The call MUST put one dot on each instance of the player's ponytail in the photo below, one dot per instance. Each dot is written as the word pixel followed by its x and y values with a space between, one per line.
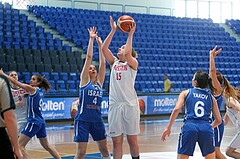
pixel 43 82
pixel 210 85
pixel 229 90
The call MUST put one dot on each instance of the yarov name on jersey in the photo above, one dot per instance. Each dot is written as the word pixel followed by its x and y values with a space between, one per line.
pixel 199 95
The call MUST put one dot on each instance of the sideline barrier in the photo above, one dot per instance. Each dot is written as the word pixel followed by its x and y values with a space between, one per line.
pixel 59 108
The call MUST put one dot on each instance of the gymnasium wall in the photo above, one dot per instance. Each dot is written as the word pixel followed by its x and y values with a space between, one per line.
pixel 217 10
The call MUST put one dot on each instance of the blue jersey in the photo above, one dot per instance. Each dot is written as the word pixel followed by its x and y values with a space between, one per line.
pixel 198 105
pixel 90 99
pixel 220 101
pixel 34 107
pixel 219 130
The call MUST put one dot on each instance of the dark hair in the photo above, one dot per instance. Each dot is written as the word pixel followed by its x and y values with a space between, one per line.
pixel 134 53
pixel 43 82
pixel 204 80
pixel 220 78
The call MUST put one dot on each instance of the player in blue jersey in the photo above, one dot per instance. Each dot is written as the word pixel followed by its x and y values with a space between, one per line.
pixel 199 104
pixel 224 90
pixel 20 99
pixel 35 123
pixel 88 119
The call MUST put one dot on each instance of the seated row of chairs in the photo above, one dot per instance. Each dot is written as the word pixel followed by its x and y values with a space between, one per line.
pixel 65 83
pixel 174 49
pixel 75 35
pixel 40 53
pixel 234 24
pixel 18 32
pixel 61 11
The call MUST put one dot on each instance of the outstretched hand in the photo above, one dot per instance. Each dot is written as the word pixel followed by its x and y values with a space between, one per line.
pixel 215 52
pixel 113 24
pixel 132 28
pixel 92 32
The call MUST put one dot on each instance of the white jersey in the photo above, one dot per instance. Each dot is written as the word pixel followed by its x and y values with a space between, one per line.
pixel 234 116
pixel 20 111
pixel 122 80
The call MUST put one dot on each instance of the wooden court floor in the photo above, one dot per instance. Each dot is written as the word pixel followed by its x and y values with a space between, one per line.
pixel 60 135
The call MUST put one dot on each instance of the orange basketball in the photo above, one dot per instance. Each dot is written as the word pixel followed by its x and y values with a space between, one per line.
pixel 141 105
pixel 124 22
pixel 74 108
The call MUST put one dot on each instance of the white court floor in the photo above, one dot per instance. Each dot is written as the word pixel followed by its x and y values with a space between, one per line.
pixel 151 147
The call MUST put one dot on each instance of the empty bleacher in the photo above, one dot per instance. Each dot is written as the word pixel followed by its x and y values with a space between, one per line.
pixel 165 45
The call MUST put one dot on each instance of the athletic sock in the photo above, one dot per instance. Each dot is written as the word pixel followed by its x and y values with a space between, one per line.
pixel 135 157
pixel 106 157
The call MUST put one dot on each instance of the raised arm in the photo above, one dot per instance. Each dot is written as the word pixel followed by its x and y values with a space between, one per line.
pixel 212 70
pixel 128 48
pixel 105 46
pixel 102 62
pixel 27 87
pixel 84 76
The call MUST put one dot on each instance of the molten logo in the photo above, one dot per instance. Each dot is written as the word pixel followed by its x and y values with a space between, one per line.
pixel 165 102
pixel 50 105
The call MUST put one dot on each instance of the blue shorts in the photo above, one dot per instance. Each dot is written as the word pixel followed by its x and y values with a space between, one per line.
pixel 32 129
pixel 82 129
pixel 218 134
pixel 196 131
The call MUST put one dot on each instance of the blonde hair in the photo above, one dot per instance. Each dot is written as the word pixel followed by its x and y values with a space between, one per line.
pixel 228 89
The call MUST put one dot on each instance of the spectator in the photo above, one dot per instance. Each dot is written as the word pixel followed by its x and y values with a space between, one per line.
pixel 167 84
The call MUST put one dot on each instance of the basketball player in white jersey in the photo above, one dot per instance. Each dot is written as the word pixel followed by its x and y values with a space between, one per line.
pixel 124 112
pixel 233 113
pixel 20 99
pixel 224 90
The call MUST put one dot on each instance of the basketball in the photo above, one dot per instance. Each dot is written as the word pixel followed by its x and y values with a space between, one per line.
pixel 141 105
pixel 74 108
pixel 124 22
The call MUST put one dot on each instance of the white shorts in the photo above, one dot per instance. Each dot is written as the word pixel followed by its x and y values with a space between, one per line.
pixel 123 119
pixel 235 143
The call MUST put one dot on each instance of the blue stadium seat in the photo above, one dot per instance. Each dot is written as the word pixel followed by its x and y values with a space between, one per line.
pixel 63 76
pixel 71 85
pixel 61 86
pixel 73 76
pixel 26 76
pixel 54 76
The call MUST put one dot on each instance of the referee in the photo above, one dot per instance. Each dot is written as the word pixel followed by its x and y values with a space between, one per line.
pixel 9 147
